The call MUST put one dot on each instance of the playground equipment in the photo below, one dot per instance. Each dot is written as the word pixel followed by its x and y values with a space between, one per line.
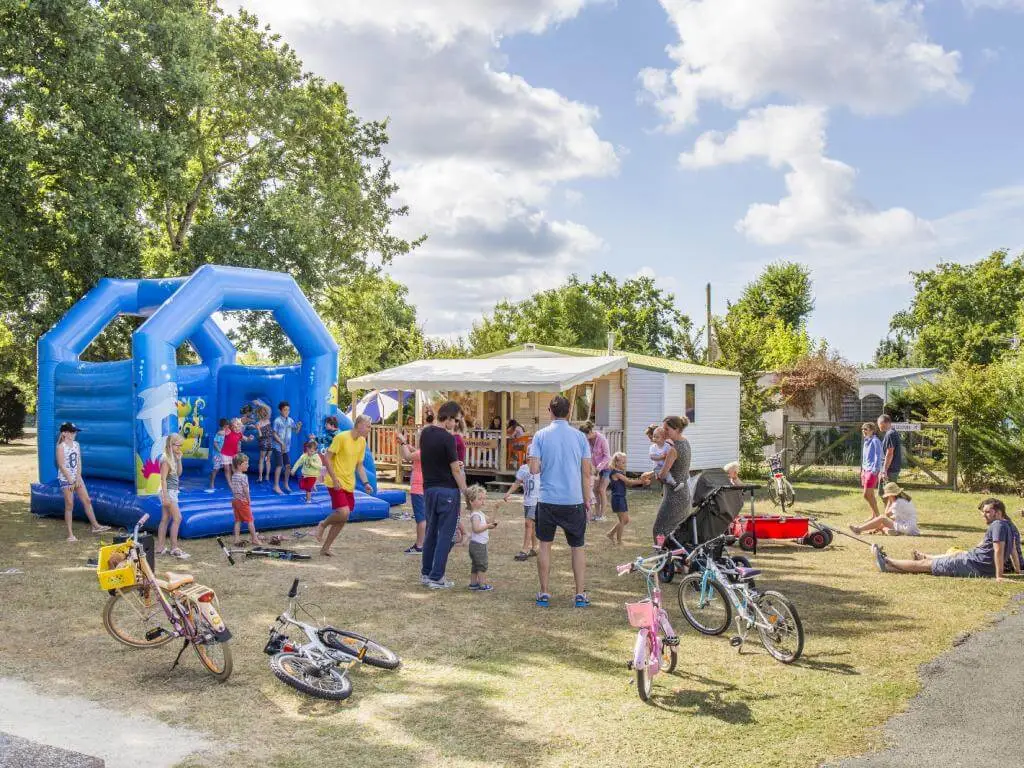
pixel 126 409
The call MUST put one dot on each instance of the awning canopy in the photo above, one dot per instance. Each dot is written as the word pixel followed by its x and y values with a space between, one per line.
pixel 496 374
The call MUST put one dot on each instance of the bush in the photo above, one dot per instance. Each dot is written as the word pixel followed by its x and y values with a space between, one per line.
pixel 12 412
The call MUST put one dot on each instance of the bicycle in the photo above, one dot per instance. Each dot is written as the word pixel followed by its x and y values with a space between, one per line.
pixel 651 653
pixel 780 490
pixel 271 553
pixel 321 666
pixel 709 599
pixel 146 612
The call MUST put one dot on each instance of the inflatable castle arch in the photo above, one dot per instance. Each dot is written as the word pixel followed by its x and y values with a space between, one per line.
pixel 126 409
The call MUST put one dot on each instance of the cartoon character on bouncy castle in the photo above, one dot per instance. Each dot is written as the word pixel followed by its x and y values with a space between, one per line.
pixel 192 428
pixel 157 417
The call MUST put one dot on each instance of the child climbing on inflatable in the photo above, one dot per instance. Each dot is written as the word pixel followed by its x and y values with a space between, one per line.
pixel 170 513
pixel 310 465
pixel 69 471
pixel 218 454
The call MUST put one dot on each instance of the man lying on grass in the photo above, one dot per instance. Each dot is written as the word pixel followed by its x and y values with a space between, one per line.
pixel 1000 546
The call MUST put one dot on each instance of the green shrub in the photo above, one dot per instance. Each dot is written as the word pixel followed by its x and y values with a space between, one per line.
pixel 12 412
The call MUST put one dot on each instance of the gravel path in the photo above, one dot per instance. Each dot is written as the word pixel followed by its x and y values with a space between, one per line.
pixel 969 710
pixel 82 726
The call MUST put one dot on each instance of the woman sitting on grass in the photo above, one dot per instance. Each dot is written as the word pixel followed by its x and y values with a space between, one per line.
pixel 899 518
pixel 986 559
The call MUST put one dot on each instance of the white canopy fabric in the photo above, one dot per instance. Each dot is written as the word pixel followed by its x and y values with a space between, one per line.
pixel 495 374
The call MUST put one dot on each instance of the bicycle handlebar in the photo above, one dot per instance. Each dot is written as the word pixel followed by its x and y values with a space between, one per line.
pixel 649 564
pixel 295 589
pixel 223 546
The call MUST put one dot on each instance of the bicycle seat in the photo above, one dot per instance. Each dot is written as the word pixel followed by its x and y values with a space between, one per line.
pixel 175 580
pixel 747 573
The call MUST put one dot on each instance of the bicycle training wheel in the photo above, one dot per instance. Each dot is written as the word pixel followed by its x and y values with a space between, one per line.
pixel 708 613
pixel 785 640
pixel 216 657
pixel 350 643
pixel 644 680
pixel 135 617
pixel 302 675
pixel 669 657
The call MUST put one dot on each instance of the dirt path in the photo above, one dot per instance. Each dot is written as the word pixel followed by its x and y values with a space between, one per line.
pixel 83 726
pixel 969 710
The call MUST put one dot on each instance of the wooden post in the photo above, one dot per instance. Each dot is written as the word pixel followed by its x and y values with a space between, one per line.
pixel 785 443
pixel 954 448
pixel 503 440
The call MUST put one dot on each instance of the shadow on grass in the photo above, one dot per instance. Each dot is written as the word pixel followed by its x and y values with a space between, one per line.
pixel 841 613
pixel 948 527
pixel 816 663
pixel 18 449
pixel 715 702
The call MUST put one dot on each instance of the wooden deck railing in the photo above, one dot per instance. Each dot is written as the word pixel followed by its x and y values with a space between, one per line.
pixel 482 448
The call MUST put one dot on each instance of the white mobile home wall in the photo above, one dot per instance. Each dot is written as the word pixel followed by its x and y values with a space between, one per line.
pixel 715 434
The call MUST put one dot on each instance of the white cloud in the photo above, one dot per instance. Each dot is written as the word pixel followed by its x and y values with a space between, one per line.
pixel 872 56
pixel 820 206
pixel 439 21
pixel 996 5
pixel 477 152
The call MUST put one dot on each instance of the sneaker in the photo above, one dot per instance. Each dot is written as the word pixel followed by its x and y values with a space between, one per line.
pixel 72 539
pixel 521 557
pixel 443 584
pixel 543 600
pixel 101 528
pixel 164 552
pixel 414 550
pixel 180 554
pixel 209 490
pixel 598 519
pixel 424 580
pixel 484 587
pixel 879 558
pixel 406 516
pixel 474 587
pixel 582 601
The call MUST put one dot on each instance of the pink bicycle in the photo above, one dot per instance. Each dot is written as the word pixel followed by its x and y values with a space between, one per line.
pixel 656 641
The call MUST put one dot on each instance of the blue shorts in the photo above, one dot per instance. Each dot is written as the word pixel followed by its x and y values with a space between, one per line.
pixel 955 565
pixel 418 509
pixel 280 459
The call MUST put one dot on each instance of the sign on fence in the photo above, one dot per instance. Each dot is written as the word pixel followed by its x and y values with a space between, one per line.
pixel 905 426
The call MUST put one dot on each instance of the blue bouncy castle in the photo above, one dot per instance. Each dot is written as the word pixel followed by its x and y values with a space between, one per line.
pixel 126 409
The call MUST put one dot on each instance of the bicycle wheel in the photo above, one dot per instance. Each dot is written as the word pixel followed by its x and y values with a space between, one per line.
pixel 644 680
pixel 135 612
pixel 708 613
pixel 216 657
pixel 350 643
pixel 773 493
pixel 788 493
pixel 302 675
pixel 785 640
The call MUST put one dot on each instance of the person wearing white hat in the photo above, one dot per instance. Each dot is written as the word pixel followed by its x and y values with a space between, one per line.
pixel 899 518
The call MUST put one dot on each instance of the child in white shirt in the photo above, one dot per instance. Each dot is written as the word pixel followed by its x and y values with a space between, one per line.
pixel 530 484
pixel 658 452
pixel 479 533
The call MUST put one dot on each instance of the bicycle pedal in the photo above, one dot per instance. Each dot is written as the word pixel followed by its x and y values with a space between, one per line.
pixel 673 641
pixel 155 633
pixel 736 642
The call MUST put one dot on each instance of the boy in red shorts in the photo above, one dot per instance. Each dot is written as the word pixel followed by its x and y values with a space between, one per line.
pixel 240 499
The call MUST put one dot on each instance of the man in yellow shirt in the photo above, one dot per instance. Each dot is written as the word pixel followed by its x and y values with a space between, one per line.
pixel 344 461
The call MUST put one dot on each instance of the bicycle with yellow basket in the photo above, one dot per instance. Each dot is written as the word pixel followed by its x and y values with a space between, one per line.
pixel 146 612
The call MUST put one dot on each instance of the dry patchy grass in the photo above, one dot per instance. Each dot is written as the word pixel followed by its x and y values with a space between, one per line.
pixel 489 679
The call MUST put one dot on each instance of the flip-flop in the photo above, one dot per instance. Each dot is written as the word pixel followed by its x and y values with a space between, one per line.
pixel 521 557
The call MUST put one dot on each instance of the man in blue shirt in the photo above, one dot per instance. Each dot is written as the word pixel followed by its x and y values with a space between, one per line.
pixel 560 454
pixel 986 559
pixel 892 452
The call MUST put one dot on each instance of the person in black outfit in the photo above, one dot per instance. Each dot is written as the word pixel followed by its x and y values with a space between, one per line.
pixel 443 480
pixel 892 452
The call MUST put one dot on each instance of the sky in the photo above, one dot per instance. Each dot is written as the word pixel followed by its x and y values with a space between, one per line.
pixel 694 141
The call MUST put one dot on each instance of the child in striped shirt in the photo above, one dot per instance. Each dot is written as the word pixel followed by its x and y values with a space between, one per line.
pixel 240 499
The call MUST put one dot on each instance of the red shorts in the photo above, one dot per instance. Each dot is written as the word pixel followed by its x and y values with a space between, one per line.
pixel 868 479
pixel 307 483
pixel 342 499
pixel 242 510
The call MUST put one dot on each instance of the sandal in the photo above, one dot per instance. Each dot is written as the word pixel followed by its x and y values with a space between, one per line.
pixel 521 557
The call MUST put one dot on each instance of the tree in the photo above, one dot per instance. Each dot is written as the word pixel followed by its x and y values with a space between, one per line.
pixel 145 139
pixel 782 291
pixel 580 314
pixel 821 375
pixel 893 352
pixel 964 313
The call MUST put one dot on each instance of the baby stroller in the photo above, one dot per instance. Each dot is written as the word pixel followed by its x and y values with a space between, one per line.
pixel 716 503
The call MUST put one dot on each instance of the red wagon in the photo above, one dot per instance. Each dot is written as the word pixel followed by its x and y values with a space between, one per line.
pixel 748 529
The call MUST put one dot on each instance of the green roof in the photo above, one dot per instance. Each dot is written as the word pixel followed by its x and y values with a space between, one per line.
pixel 647 362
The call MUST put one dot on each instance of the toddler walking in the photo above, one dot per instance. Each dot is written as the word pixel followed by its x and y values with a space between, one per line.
pixel 240 504
pixel 619 482
pixel 479 533
pixel 311 465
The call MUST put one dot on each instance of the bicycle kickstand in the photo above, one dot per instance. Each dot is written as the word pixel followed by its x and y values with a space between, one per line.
pixel 178 657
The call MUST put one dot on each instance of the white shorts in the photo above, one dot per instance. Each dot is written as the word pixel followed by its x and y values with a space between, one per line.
pixel 173 496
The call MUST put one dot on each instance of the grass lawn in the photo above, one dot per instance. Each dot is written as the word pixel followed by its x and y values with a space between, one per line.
pixel 489 679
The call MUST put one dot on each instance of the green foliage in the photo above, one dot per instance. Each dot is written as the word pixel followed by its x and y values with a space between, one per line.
pixel 147 139
pixel 444 349
pixel 12 412
pixel 764 331
pixel 964 313
pixel 988 402
pixel 580 314
pixel 893 352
